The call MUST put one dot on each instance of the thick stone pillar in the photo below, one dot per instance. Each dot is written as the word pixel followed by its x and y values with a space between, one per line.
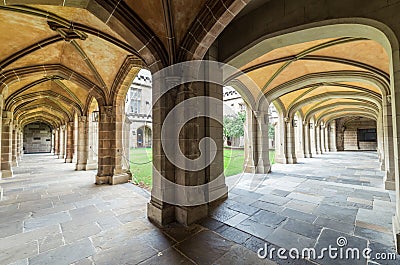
pixel 92 152
pixel 82 144
pixel 70 142
pixel 6 144
pixel 57 141
pixel 61 138
pixel 380 136
pixel 106 149
pixel 307 139
pixel 193 184
pixel 332 137
pixel 388 143
pixel 290 142
pixel 14 146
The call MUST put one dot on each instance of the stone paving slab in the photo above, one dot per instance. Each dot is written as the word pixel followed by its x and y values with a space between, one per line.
pixel 107 224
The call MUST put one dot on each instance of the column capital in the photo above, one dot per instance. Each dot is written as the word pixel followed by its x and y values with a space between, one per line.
pixel 7 116
pixel 107 110
pixel 82 118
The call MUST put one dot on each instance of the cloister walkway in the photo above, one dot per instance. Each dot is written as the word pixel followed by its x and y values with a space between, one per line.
pixel 51 214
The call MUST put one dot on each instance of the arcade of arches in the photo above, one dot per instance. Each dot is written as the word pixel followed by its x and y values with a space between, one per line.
pixel 327 66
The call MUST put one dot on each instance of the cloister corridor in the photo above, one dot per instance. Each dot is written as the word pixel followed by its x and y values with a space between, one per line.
pixel 50 216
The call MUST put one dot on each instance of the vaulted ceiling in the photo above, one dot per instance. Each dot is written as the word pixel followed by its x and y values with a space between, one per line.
pixel 323 77
pixel 56 56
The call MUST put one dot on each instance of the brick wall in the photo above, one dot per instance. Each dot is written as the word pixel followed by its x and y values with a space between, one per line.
pixel 346 134
pixel 37 138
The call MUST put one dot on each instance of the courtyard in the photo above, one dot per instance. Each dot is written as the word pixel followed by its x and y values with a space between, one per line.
pixel 61 217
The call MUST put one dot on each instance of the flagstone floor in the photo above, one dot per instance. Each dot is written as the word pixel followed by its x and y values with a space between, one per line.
pixel 51 214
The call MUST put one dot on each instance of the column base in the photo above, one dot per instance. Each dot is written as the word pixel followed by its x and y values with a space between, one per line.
pixel 61 156
pixel 291 160
pixel 79 167
pixel 281 160
pixel 160 215
pixel 14 163
pixel 103 180
pixel 68 160
pixel 249 169
pixel 382 165
pixel 390 185
pixel 7 173
pixel 190 215
pixel 263 169
pixel 389 181
pixel 114 179
pixel 307 155
pixel 91 166
pixel 396 232
pixel 122 177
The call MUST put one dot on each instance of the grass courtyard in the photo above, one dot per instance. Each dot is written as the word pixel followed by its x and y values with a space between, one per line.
pixel 141 165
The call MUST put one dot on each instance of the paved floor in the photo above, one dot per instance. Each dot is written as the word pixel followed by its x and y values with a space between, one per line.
pixel 51 214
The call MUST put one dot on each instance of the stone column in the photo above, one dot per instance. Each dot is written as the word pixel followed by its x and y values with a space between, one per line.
pixel 323 141
pixel 380 137
pixel 122 173
pixel 332 137
pixel 189 183
pixel 307 139
pixel 70 142
pixel 300 139
pixel 249 141
pixel 290 142
pixel 263 163
pixel 62 142
pixel 106 148
pixel 327 142
pixel 317 129
pixel 14 146
pixel 281 141
pixel 313 138
pixel 92 152
pixel 6 144
pixel 18 135
pixel 57 141
pixel 388 143
pixel 82 144
pixel 21 144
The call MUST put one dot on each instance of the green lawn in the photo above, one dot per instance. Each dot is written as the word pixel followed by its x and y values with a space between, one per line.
pixel 141 170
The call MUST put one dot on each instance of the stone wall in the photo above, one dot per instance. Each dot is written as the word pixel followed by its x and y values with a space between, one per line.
pixel 37 138
pixel 347 134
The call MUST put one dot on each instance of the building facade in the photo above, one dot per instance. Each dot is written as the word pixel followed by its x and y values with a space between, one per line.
pixel 138 106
